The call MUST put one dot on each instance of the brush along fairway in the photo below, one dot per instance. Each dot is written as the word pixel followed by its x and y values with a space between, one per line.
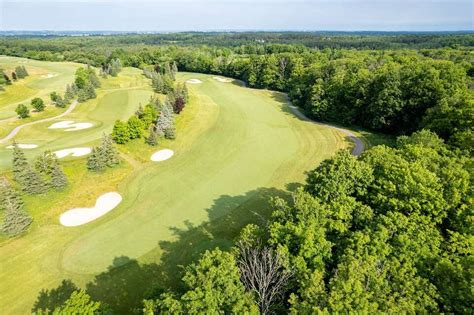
pixel 79 216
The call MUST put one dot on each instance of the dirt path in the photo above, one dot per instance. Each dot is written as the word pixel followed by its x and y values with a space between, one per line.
pixel 15 131
pixel 359 145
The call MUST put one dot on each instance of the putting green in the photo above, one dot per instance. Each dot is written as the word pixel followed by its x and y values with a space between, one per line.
pixel 232 141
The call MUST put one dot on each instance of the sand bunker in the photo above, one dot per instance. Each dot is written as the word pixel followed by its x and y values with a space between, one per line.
pixel 162 155
pixel 49 75
pixel 79 216
pixel 24 146
pixel 223 80
pixel 70 125
pixel 194 81
pixel 73 152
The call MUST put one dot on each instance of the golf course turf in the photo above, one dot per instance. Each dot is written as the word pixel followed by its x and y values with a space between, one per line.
pixel 235 148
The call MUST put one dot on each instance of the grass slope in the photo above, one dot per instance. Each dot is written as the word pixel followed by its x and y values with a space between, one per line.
pixel 235 148
pixel 37 84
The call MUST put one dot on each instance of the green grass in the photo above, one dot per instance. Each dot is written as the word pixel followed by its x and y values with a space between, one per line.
pixel 35 85
pixel 235 148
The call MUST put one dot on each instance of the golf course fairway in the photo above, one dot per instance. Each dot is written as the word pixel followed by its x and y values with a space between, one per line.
pixel 233 145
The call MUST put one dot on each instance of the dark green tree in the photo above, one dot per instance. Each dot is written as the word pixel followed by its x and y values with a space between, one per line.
pixel 22 111
pixel 38 104
pixel 16 219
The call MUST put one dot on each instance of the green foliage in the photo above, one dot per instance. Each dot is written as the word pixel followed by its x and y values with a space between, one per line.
pixel 120 132
pixel 22 111
pixel 16 220
pixel 58 178
pixel 211 286
pixel 78 303
pixel 21 72
pixel 170 133
pixel 57 100
pixel 152 138
pixel 104 156
pixel 38 104
pixel 19 163
pixel 135 127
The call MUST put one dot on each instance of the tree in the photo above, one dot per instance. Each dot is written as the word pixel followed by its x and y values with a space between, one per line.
pixel 211 286
pixel 38 104
pixel 120 132
pixel 16 220
pixel 170 133
pixel 58 178
pixel 135 127
pixel 110 153
pixel 69 94
pixel 14 78
pixel 262 272
pixel 78 303
pixel 57 100
pixel 45 162
pixel 19 164
pixel 32 182
pixel 95 161
pixel 152 138
pixel 22 111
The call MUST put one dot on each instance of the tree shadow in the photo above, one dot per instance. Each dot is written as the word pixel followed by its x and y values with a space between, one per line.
pixel 50 299
pixel 126 282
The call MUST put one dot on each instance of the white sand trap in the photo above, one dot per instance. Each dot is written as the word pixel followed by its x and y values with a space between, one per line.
pixel 24 146
pixel 223 80
pixel 73 152
pixel 79 216
pixel 162 155
pixel 70 125
pixel 49 75
pixel 194 81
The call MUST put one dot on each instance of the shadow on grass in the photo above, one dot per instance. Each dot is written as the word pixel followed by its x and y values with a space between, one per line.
pixel 126 282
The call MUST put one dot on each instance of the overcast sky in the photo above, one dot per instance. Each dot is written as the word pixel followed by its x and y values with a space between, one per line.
pixel 202 15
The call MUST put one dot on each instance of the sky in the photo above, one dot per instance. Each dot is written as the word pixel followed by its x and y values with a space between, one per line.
pixel 207 15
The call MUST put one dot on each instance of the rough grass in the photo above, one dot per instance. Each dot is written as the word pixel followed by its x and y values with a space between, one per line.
pixel 236 147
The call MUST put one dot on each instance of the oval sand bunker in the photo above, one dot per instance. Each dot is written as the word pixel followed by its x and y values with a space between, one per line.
pixel 162 155
pixel 24 146
pixel 69 125
pixel 79 216
pixel 73 152
pixel 194 81
pixel 223 80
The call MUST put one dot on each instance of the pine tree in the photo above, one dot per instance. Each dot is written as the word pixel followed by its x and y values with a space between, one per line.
pixel 152 138
pixel 110 153
pixel 25 73
pixel 165 120
pixel 45 162
pixel 16 220
pixel 69 94
pixel 95 161
pixel 14 77
pixel 170 133
pixel 33 183
pixel 20 164
pixel 94 80
pixel 58 178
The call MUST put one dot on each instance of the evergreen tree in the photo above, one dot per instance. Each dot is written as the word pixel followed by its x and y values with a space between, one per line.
pixel 38 104
pixel 16 220
pixel 135 127
pixel 32 182
pixel 90 91
pixel 22 111
pixel 19 165
pixel 170 133
pixel 165 120
pixel 94 80
pixel 14 76
pixel 69 94
pixel 120 133
pixel 110 153
pixel 45 162
pixel 152 138
pixel 58 178
pixel 95 161
pixel 25 73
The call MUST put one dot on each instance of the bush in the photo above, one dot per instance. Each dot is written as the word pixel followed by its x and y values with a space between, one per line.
pixel 22 111
pixel 38 104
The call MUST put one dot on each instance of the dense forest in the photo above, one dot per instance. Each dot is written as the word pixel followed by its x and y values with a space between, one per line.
pixel 390 231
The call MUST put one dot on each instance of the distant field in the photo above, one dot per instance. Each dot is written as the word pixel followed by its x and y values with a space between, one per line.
pixel 234 145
